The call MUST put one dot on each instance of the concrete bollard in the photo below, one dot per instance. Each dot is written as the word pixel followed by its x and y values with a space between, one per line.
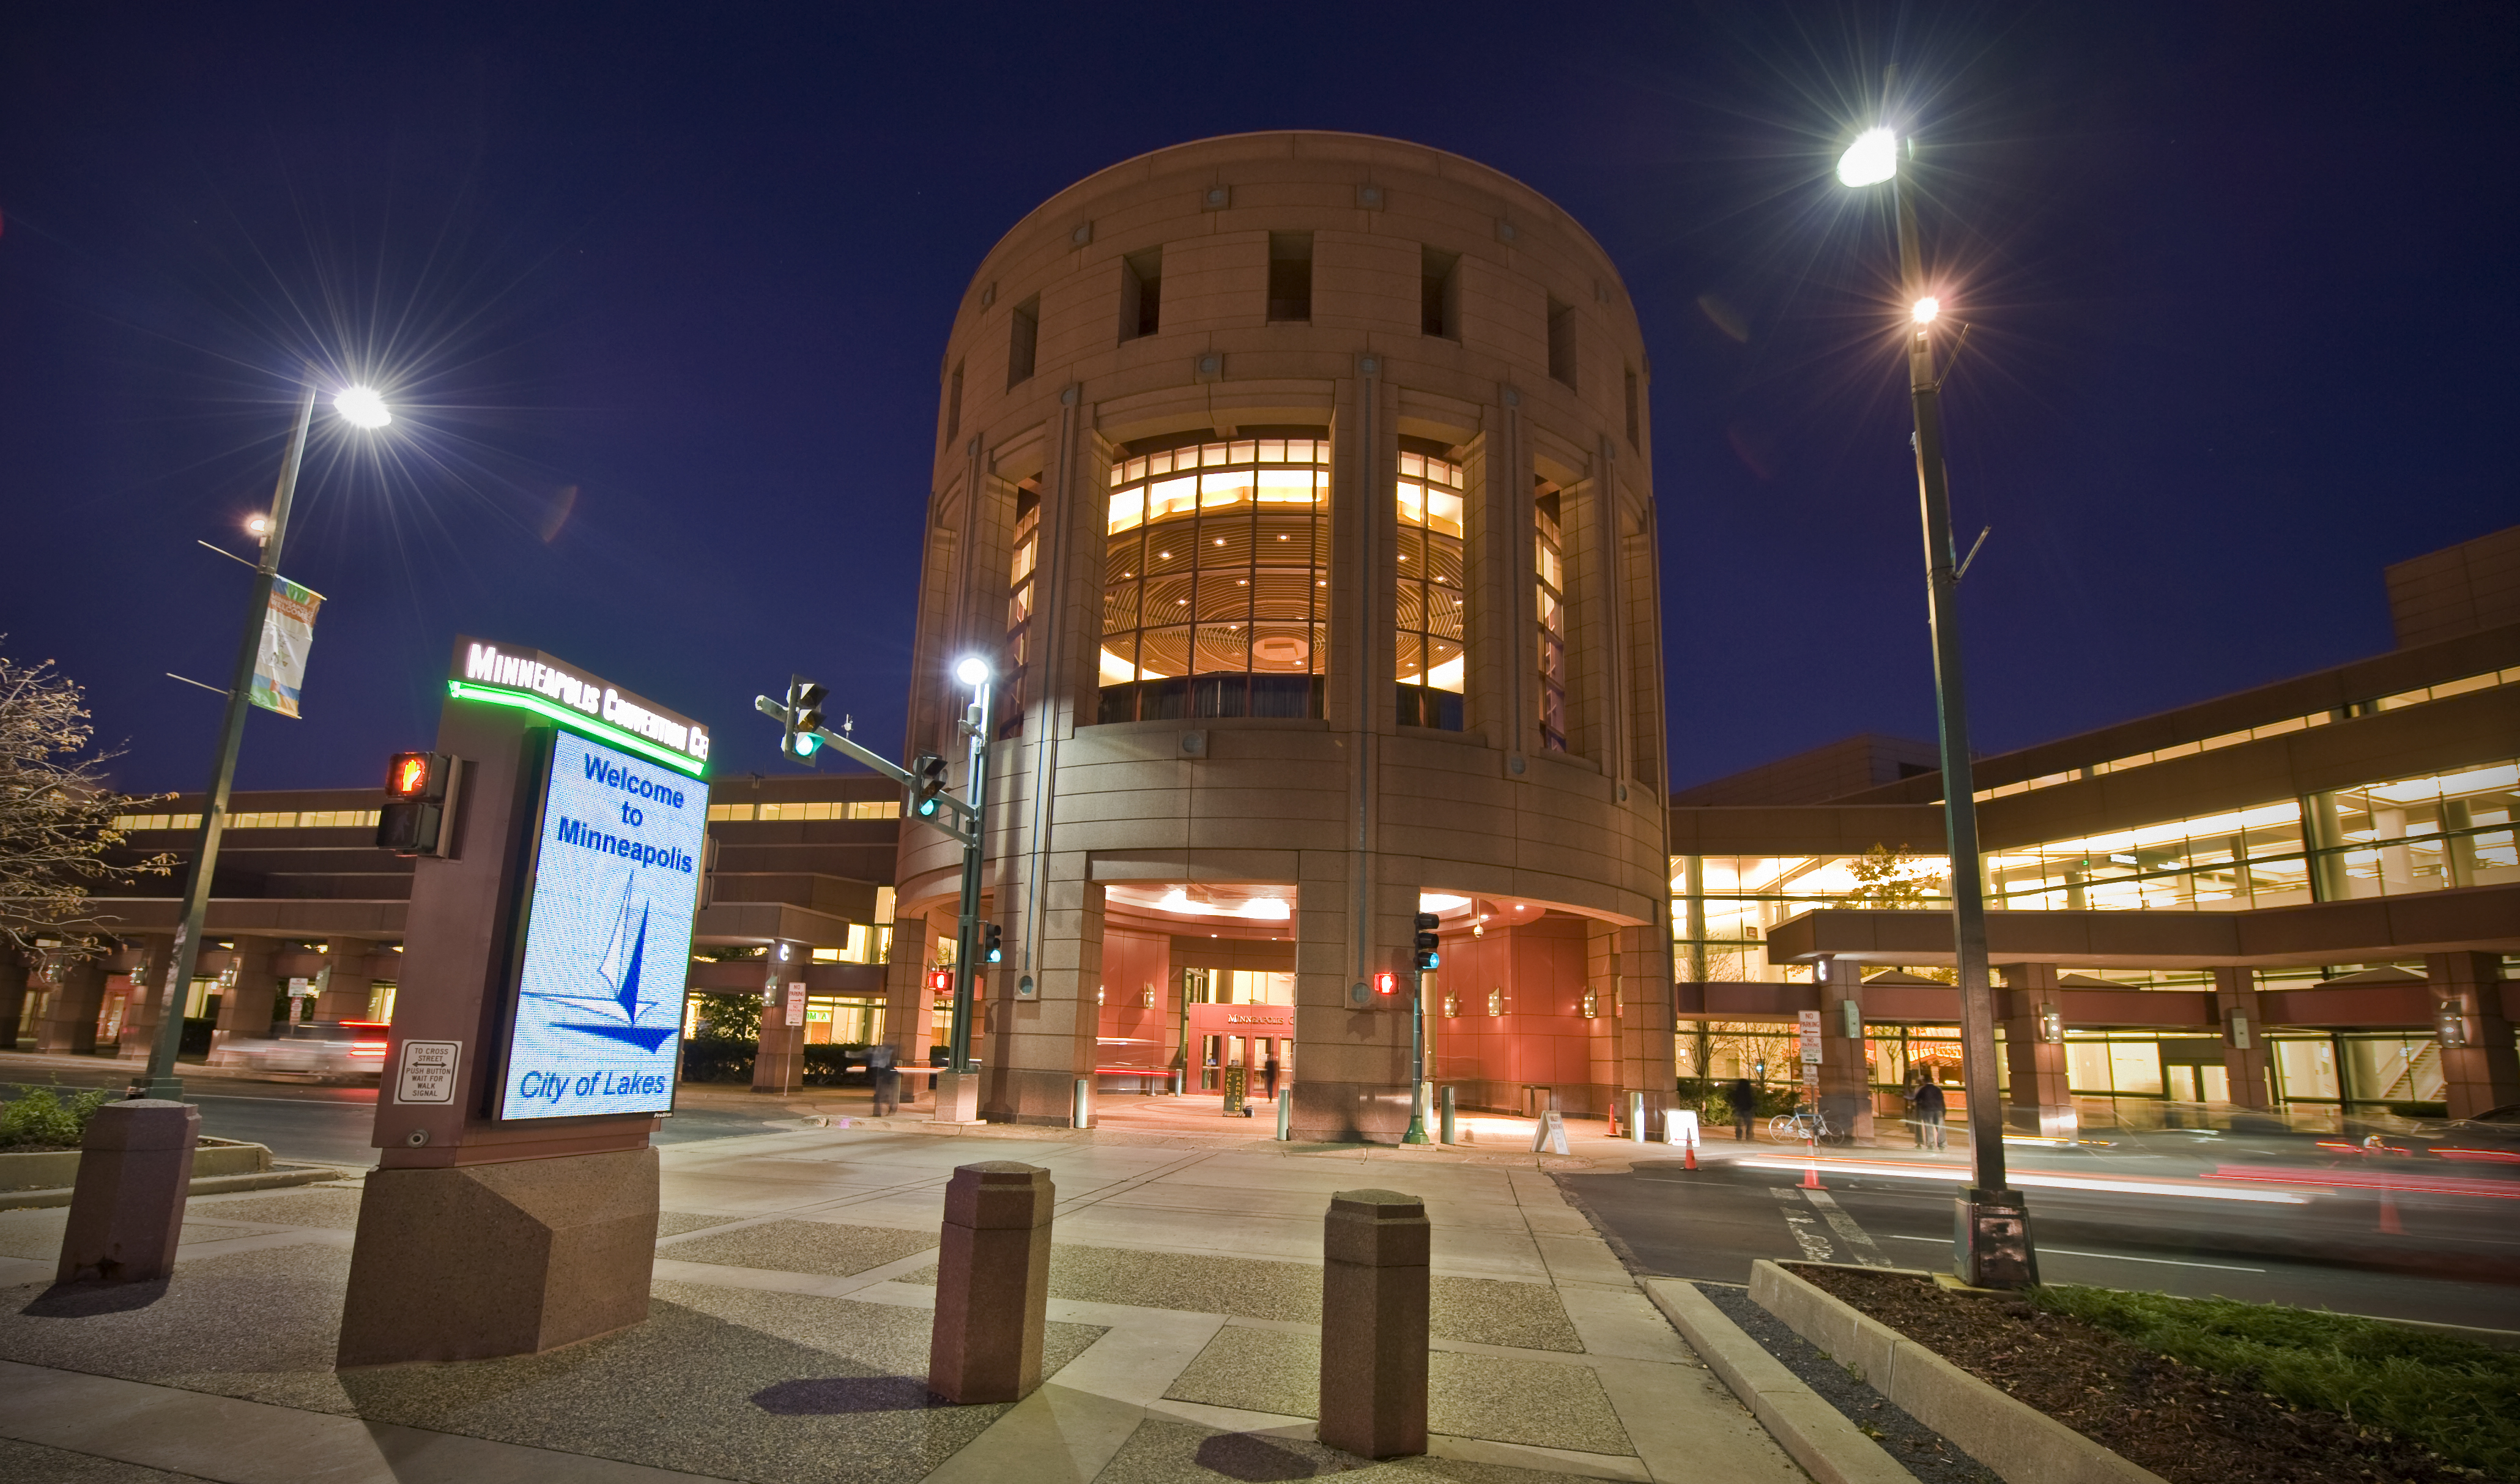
pixel 992 1284
pixel 1452 1122
pixel 1080 1113
pixel 1373 1323
pixel 127 1211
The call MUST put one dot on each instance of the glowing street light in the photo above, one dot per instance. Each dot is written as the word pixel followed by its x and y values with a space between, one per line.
pixel 977 726
pixel 1994 1249
pixel 1873 159
pixel 972 670
pixel 362 407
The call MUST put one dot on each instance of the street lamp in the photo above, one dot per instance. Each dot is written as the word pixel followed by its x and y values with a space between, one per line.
pixel 361 407
pixel 1991 1237
pixel 976 673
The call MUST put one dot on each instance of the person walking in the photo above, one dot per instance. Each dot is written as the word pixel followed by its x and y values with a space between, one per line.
pixel 1929 1114
pixel 887 1079
pixel 1268 1072
pixel 1744 1099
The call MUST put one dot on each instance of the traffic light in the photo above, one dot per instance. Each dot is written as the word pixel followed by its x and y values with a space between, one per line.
pixel 927 779
pixel 1387 983
pixel 1427 942
pixel 993 948
pixel 804 718
pixel 420 799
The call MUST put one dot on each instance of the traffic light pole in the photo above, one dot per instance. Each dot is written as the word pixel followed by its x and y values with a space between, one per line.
pixel 1418 1064
pixel 966 932
pixel 160 1080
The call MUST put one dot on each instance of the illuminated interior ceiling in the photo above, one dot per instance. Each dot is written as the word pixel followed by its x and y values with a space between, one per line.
pixel 1239 902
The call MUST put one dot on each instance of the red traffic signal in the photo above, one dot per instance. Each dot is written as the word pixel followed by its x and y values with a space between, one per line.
pixel 412 775
pixel 1387 983
pixel 941 981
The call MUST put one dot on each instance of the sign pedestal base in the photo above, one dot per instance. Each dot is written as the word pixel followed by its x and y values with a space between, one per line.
pixel 473 1261
pixel 958 1098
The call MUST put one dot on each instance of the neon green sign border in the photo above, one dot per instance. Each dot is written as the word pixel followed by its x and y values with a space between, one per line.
pixel 528 701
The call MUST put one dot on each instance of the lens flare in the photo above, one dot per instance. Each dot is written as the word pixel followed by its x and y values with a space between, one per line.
pixel 1873 159
pixel 1924 310
pixel 972 671
pixel 362 407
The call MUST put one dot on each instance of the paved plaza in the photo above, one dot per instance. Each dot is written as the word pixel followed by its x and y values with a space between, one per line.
pixel 788 1339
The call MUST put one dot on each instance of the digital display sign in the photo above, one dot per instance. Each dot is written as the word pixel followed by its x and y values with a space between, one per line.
pixel 596 1023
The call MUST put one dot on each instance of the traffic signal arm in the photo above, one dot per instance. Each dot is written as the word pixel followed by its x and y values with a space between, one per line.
pixel 964 820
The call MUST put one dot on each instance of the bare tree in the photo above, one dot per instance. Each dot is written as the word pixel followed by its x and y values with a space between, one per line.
pixel 57 812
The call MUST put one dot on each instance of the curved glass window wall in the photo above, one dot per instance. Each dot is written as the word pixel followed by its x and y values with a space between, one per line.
pixel 1428 657
pixel 1216 592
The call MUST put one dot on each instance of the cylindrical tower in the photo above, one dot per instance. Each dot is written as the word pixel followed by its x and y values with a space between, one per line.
pixel 1297 486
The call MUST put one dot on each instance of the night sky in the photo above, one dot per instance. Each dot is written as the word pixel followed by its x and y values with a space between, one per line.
pixel 661 292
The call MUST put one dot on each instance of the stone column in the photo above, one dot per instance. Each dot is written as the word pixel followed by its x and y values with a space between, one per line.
pixel 992 1283
pixel 16 970
pixel 154 957
pixel 1845 1080
pixel 1035 1048
pixel 244 1007
pixel 1644 1024
pixel 1351 1062
pixel 2235 1007
pixel 346 986
pixel 71 1010
pixel 2036 1101
pixel 2485 1073
pixel 1375 1280
pixel 778 1065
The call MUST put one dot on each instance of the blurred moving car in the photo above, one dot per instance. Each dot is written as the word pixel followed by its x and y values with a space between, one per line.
pixel 337 1048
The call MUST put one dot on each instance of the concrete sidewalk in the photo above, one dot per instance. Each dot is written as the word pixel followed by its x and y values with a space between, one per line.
pixel 788 1338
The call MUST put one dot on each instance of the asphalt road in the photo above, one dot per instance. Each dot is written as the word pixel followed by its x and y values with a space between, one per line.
pixel 2308 1250
pixel 329 1125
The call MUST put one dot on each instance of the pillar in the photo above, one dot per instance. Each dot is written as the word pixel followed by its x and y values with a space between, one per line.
pixel 2485 1073
pixel 2244 1036
pixel 154 957
pixel 1034 1048
pixel 244 1007
pixel 1351 1062
pixel 346 986
pixel 69 1022
pixel 1845 1079
pixel 2037 1101
pixel 16 970
pixel 992 1283
pixel 127 1210
pixel 779 1063
pixel 1374 1283
pixel 1644 1025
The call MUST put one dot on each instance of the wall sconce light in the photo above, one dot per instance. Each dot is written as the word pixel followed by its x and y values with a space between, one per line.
pixel 1098 994
pixel 1147 997
pixel 1496 1001
pixel 1479 929
pixel 2239 1030
pixel 1592 1003
pixel 1451 1006
pixel 2051 1024
pixel 2450 1026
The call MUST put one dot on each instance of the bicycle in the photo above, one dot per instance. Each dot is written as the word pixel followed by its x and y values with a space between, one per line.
pixel 1801 1125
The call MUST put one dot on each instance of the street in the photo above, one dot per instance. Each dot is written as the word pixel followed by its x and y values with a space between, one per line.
pixel 329 1125
pixel 2259 1242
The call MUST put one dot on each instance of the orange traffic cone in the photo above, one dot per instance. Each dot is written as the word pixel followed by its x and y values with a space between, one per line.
pixel 1689 1155
pixel 1811 1170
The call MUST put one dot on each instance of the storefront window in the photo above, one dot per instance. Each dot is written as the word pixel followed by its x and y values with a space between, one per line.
pixel 1216 597
pixel 1548 559
pixel 1427 658
pixel 1723 907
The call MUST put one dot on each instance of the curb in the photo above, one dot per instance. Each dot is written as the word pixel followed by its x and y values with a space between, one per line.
pixel 207 1185
pixel 2020 1443
pixel 1814 1433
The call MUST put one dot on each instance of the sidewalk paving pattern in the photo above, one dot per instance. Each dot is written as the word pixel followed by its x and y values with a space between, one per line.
pixel 788 1339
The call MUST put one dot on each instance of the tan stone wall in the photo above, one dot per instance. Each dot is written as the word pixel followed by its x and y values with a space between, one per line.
pixel 1359 813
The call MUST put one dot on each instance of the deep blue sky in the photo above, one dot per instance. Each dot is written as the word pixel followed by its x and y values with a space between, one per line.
pixel 2240 281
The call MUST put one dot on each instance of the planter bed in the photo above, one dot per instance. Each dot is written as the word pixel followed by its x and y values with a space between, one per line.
pixel 2212 1422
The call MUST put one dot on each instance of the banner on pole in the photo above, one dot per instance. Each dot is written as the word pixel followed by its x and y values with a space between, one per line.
pixel 288 632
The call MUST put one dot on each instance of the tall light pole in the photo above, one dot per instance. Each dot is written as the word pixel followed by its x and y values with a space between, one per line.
pixel 362 408
pixel 975 672
pixel 1991 1238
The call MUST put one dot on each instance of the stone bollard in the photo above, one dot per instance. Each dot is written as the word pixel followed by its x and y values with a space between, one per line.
pixel 1373 1323
pixel 127 1211
pixel 992 1284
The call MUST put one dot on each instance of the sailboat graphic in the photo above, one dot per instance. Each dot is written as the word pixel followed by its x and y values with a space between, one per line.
pixel 624 956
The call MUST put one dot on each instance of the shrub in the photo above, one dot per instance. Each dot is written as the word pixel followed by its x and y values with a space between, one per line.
pixel 2456 1398
pixel 41 1118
